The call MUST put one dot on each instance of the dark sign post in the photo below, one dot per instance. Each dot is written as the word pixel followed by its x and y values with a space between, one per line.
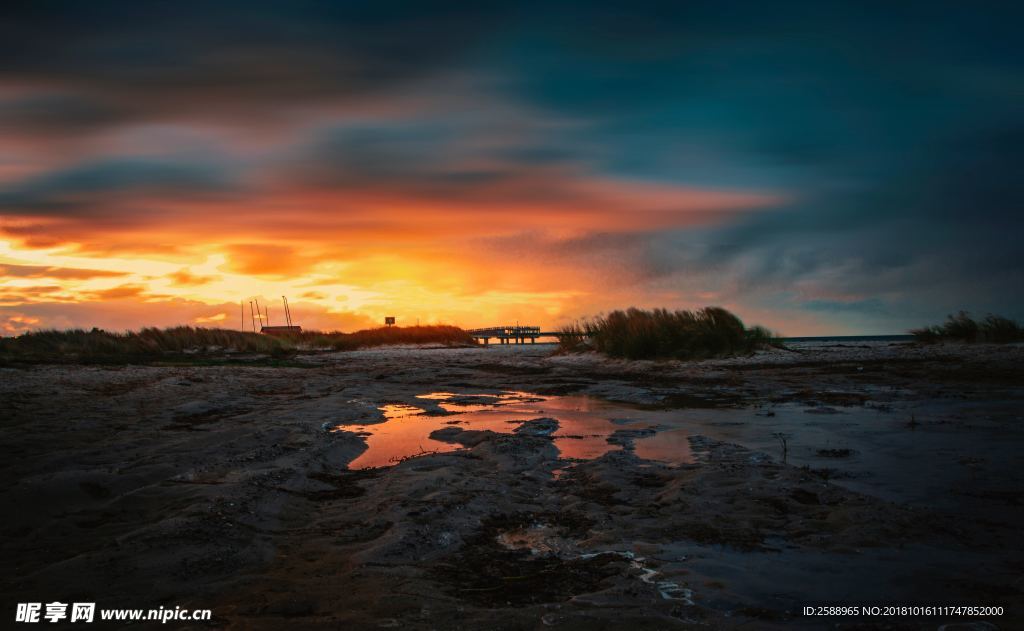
pixel 389 320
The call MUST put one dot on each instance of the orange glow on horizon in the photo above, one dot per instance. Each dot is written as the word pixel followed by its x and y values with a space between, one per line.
pixel 344 258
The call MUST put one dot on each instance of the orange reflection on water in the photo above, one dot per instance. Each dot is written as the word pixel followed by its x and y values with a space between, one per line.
pixel 585 424
pixel 404 434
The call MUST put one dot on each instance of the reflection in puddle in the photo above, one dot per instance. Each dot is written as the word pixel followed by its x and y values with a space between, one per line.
pixel 671 446
pixel 393 411
pixel 403 434
pixel 584 426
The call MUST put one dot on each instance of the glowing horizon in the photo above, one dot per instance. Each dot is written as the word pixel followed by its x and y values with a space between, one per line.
pixel 442 269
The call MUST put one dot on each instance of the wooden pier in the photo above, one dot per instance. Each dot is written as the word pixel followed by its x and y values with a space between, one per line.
pixel 510 334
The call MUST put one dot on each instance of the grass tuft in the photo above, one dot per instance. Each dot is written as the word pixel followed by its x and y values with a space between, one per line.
pixel 660 333
pixel 961 327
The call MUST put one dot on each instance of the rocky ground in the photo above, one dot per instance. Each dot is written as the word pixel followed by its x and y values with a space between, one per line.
pixel 828 473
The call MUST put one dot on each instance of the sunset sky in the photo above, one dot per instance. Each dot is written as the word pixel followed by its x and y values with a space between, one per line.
pixel 819 168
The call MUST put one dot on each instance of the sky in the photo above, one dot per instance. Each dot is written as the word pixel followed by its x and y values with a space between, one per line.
pixel 818 168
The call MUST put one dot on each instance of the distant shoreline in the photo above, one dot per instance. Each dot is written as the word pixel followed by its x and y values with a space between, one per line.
pixel 850 338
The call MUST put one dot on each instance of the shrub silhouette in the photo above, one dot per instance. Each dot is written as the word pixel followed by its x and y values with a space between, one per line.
pixel 660 333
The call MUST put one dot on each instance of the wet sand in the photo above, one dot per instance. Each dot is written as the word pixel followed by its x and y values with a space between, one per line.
pixel 717 494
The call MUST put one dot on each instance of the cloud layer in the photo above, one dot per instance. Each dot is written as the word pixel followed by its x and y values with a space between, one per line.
pixel 839 168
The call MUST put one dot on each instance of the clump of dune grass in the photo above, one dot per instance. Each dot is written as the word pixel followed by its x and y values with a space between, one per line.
pixel 961 327
pixel 661 333
pixel 152 344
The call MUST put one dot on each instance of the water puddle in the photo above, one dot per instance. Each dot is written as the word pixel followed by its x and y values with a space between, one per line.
pixel 953 449
pixel 542 539
pixel 581 428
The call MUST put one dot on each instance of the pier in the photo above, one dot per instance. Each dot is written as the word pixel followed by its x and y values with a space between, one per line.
pixel 511 334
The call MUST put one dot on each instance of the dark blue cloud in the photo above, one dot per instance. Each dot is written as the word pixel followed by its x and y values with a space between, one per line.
pixel 87 189
pixel 202 59
pixel 56 114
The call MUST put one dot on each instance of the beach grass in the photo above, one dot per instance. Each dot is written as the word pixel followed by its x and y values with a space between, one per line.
pixel 961 327
pixel 662 334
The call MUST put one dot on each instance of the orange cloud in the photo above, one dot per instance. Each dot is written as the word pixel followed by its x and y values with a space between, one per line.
pixel 214 319
pixel 466 242
pixel 118 293
pixel 184 278
pixel 43 271
pixel 267 260
pixel 18 324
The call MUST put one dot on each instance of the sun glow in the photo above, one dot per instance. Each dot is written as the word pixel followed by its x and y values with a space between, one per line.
pixel 197 289
pixel 490 257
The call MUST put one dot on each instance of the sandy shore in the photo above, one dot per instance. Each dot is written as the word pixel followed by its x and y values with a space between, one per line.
pixel 896 480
